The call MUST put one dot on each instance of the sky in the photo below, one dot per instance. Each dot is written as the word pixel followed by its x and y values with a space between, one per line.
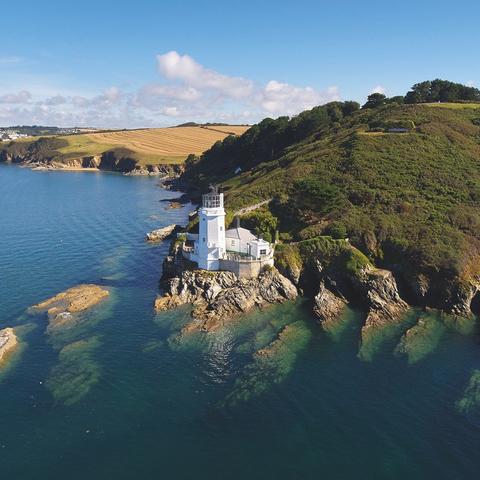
pixel 145 63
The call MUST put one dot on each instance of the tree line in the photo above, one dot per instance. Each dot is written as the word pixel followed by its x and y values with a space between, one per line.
pixel 428 92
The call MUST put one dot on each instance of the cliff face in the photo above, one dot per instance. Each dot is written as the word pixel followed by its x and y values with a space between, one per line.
pixel 113 160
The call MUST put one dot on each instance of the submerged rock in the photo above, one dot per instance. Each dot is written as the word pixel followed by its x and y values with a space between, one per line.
pixel 76 373
pixel 160 233
pixel 8 343
pixel 219 296
pixel 470 402
pixel 271 364
pixel 173 205
pixel 61 308
pixel 421 339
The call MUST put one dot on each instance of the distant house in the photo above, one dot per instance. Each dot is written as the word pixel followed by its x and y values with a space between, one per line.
pixel 398 130
pixel 237 171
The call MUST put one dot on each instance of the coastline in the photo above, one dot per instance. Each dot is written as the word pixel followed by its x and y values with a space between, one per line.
pixel 63 169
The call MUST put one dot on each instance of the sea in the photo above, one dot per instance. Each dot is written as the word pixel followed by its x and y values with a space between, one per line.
pixel 122 394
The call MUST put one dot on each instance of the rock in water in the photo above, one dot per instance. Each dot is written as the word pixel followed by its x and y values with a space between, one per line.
pixel 76 373
pixel 327 307
pixel 384 300
pixel 385 309
pixel 219 296
pixel 61 307
pixel 470 402
pixel 271 364
pixel 160 233
pixel 8 343
pixel 421 339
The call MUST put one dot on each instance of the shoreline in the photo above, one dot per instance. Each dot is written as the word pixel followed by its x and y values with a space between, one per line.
pixel 66 169
pixel 49 168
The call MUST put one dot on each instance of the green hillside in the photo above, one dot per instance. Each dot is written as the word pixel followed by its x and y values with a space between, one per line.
pixel 400 181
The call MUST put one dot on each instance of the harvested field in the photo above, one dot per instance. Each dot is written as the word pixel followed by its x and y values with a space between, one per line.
pixel 167 142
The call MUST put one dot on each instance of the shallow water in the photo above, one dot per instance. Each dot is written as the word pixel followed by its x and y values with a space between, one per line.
pixel 122 395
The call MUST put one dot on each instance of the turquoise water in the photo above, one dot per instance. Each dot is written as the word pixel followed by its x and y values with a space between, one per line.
pixel 133 399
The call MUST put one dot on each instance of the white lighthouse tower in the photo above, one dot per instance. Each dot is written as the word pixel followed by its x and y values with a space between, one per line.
pixel 211 237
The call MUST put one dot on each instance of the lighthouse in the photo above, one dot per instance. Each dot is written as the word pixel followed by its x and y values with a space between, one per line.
pixel 237 250
pixel 211 232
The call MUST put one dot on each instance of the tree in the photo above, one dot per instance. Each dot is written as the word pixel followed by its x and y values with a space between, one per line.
pixel 442 91
pixel 398 99
pixel 262 222
pixel 375 100
pixel 349 107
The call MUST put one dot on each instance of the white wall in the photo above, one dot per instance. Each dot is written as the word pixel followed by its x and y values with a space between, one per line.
pixel 211 237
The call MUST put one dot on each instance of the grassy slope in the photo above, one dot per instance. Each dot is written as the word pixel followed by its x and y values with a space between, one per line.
pixel 409 201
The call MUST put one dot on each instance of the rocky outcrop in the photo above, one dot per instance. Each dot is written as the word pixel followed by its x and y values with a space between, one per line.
pixel 462 299
pixel 327 306
pixel 166 171
pixel 8 343
pixel 62 307
pixel 160 233
pixel 217 297
pixel 385 310
pixel 383 300
pixel 116 160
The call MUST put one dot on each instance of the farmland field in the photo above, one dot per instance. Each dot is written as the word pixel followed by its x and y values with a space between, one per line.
pixel 156 145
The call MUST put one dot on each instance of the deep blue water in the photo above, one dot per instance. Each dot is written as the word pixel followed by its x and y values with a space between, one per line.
pixel 134 400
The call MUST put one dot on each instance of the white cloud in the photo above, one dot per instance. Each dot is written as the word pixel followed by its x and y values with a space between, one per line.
pixel 470 83
pixel 176 92
pixel 170 111
pixel 185 69
pixel 186 90
pixel 283 98
pixel 378 89
pixel 22 96
pixel 55 100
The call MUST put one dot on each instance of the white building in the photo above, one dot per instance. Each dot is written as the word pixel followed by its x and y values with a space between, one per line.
pixel 237 249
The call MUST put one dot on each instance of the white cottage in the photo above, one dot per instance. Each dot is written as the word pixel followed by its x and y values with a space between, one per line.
pixel 237 250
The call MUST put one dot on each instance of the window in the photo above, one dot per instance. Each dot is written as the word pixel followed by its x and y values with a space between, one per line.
pixel 203 239
pixel 263 252
pixel 221 228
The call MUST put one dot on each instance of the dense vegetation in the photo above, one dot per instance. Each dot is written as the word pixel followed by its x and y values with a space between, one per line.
pixel 442 91
pixel 409 201
pixel 433 91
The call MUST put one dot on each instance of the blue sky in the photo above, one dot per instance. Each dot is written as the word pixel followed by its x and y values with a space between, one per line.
pixel 154 63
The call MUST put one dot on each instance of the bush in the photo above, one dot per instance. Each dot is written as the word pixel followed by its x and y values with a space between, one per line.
pixel 337 230
pixel 262 222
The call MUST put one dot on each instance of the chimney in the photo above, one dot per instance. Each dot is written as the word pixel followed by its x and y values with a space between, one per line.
pixel 237 222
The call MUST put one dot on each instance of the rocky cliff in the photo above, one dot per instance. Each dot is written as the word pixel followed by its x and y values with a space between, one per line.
pixel 218 297
pixel 115 160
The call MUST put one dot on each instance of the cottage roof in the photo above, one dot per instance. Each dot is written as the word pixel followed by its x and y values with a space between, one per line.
pixel 240 233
